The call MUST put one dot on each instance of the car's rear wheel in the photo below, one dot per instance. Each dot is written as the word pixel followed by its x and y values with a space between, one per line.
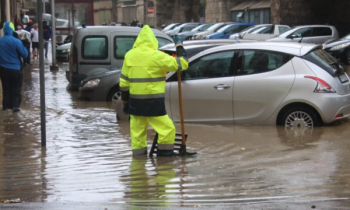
pixel 300 118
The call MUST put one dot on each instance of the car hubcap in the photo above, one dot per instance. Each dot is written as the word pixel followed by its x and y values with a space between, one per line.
pixel 299 120
pixel 116 96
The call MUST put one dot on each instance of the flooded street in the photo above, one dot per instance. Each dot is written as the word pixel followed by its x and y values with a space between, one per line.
pixel 88 158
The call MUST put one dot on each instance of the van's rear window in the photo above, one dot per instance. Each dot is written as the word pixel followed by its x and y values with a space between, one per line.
pixel 325 61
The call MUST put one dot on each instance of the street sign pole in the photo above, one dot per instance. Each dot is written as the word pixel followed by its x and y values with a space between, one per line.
pixel 53 66
pixel 42 76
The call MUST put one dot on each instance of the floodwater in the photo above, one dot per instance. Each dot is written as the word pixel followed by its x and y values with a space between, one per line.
pixel 88 158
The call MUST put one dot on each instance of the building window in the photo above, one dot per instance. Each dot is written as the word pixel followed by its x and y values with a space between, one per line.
pixel 257 16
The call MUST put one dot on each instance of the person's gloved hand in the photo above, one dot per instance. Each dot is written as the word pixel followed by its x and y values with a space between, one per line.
pixel 126 107
pixel 178 40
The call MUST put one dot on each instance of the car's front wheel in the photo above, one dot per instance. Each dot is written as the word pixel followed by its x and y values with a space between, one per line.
pixel 300 117
pixel 113 95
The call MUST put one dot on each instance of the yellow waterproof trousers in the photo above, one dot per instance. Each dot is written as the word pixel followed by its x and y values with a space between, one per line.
pixel 138 130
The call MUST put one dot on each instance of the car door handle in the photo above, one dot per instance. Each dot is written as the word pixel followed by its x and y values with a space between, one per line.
pixel 222 86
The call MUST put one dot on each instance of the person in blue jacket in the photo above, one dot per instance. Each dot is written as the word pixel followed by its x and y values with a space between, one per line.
pixel 47 36
pixel 10 68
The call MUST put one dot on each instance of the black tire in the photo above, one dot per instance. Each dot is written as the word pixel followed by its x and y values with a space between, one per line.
pixel 304 117
pixel 188 38
pixel 112 93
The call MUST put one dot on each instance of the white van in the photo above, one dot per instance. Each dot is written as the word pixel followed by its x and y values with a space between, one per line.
pixel 102 48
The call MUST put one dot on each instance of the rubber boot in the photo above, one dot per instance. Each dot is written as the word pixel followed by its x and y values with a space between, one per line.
pixel 166 153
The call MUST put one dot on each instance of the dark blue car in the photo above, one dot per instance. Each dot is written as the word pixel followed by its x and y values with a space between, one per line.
pixel 226 31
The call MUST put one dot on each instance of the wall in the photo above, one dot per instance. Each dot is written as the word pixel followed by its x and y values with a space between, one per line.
pixel 219 10
pixel 102 12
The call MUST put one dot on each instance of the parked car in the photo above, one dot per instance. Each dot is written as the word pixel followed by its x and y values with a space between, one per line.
pixel 317 34
pixel 187 35
pixel 210 30
pixel 289 84
pixel 263 32
pixel 171 26
pixel 102 48
pixel 340 49
pixel 104 85
pixel 226 31
pixel 182 28
pixel 63 52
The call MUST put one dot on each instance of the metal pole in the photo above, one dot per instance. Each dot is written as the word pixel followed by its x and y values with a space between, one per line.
pixel 43 6
pixel 53 66
pixel 42 76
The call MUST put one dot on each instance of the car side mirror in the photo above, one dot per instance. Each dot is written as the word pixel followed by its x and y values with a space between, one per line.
pixel 293 36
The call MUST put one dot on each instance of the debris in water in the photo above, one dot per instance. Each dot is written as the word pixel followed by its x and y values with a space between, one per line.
pixel 6 201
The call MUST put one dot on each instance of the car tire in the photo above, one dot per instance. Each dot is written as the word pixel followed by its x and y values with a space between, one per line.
pixel 113 94
pixel 300 117
pixel 188 38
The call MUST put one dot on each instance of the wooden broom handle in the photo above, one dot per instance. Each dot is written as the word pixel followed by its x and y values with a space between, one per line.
pixel 181 108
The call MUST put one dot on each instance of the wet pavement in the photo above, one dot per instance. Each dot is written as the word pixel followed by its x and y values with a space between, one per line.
pixel 87 163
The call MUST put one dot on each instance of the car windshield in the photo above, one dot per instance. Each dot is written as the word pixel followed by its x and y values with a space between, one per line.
pixel 247 29
pixel 322 59
pixel 223 28
pixel 170 26
pixel 287 31
pixel 202 27
pixel 197 28
pixel 215 26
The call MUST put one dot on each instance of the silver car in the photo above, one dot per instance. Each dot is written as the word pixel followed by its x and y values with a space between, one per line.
pixel 290 84
pixel 316 34
pixel 187 35
pixel 104 85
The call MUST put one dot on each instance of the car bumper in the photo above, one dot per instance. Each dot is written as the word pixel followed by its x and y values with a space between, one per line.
pixel 62 56
pixel 92 93
pixel 74 79
pixel 331 106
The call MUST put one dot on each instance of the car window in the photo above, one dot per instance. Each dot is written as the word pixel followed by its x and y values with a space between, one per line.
pixel 303 32
pixel 95 47
pixel 210 66
pixel 264 30
pixel 243 27
pixel 322 59
pixel 187 28
pixel 258 61
pixel 123 44
pixel 216 30
pixel 282 29
pixel 233 29
pixel 322 31
pixel 162 42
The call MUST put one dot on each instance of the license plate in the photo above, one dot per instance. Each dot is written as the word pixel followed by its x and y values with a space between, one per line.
pixel 343 78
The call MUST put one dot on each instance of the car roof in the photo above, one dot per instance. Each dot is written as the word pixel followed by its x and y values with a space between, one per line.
pixel 301 26
pixel 296 49
pixel 90 30
pixel 194 43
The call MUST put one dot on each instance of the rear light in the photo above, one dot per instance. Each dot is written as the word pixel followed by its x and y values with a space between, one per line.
pixel 339 116
pixel 75 59
pixel 322 86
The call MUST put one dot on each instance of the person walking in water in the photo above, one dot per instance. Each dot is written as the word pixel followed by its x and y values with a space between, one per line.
pixel 10 68
pixel 47 37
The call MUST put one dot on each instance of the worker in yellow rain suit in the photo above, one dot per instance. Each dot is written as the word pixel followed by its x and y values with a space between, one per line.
pixel 142 83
